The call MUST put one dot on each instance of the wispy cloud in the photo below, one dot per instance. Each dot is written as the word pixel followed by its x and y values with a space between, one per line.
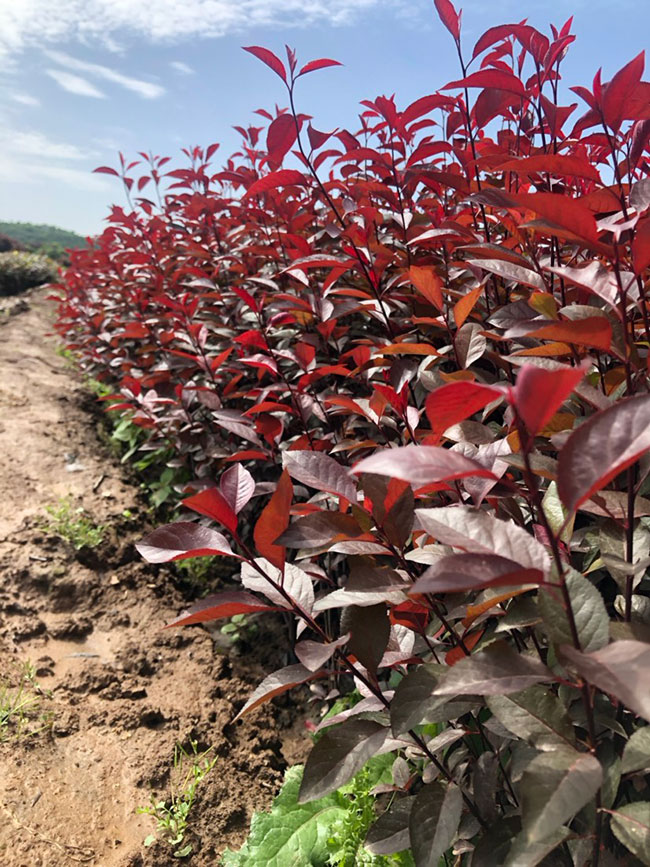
pixel 146 89
pixel 75 83
pixel 182 68
pixel 38 22
pixel 24 99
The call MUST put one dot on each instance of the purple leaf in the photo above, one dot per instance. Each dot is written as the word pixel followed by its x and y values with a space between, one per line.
pixel 621 669
pixel 338 755
pixel 181 540
pixel 321 472
pixel 477 532
pixel 497 670
pixel 601 448
pixel 473 571
pixel 237 486
pixel 421 465
pixel 275 684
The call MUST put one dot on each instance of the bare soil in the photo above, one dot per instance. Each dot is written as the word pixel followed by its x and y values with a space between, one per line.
pixel 114 692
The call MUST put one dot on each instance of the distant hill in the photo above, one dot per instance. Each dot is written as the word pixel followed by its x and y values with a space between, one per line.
pixel 37 235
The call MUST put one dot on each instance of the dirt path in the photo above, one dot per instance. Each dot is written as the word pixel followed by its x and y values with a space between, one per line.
pixel 87 629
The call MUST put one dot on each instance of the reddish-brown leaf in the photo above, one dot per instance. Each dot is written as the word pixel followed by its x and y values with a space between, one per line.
pixel 428 284
pixel 212 504
pixel 594 331
pixel 273 521
pixel 220 606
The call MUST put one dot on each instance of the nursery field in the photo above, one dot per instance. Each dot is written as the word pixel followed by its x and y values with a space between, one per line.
pixel 94 696
pixel 374 564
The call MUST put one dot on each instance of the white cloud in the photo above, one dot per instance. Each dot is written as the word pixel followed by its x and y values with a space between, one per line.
pixel 25 99
pixel 36 22
pixel 146 89
pixel 38 145
pixel 27 156
pixel 75 83
pixel 182 68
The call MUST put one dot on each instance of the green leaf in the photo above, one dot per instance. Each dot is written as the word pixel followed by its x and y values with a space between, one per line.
pixel 554 787
pixel 636 755
pixel 523 853
pixel 292 834
pixel 497 670
pixel 556 514
pixel 631 824
pixel 521 612
pixel 537 715
pixel 338 755
pixel 433 823
pixel 589 612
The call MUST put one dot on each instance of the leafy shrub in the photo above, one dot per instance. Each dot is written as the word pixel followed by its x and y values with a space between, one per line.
pixel 408 377
pixel 328 832
pixel 20 271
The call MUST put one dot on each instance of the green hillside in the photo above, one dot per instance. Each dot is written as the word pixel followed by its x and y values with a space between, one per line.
pixel 47 239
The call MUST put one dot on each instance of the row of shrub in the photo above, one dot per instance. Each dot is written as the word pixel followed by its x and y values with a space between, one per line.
pixel 406 370
pixel 20 270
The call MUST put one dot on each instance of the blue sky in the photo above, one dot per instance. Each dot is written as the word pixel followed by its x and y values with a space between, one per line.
pixel 82 79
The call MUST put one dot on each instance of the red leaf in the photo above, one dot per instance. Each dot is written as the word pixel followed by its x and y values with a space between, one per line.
pixel 449 17
pixel 321 63
pixel 237 487
pixel 212 504
pixel 492 35
pixel 555 164
pixel 563 211
pixel 273 521
pixel 106 170
pixel 619 90
pixel 219 606
pixel 428 284
pixel 281 178
pixel 280 138
pixel 539 393
pixel 421 465
pixel 181 540
pixel 602 447
pixel 456 402
pixel 490 78
pixel 269 58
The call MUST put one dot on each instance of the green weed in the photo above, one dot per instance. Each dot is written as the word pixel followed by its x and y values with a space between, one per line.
pixel 71 523
pixel 172 816
pixel 21 712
